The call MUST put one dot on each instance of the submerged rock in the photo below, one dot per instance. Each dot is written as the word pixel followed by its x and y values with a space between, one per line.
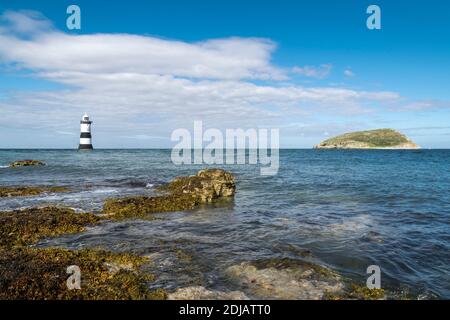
pixel 184 193
pixel 285 279
pixel 32 273
pixel 373 236
pixel 29 191
pixel 27 226
pixel 201 293
pixel 26 163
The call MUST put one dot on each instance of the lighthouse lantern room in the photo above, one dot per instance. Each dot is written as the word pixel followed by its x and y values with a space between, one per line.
pixel 85 133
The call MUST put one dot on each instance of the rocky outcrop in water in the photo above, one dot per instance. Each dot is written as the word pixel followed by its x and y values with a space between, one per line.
pixel 206 186
pixel 184 193
pixel 29 191
pixel 26 163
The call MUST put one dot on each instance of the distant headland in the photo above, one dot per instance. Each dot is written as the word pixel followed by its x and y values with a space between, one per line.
pixel 370 139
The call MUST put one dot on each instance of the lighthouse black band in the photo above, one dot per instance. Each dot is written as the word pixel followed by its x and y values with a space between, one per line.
pixel 85 147
pixel 85 122
pixel 85 135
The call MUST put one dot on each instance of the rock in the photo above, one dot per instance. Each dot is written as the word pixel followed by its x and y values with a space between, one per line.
pixel 371 139
pixel 184 193
pixel 285 279
pixel 206 185
pixel 29 190
pixel 26 163
pixel 201 293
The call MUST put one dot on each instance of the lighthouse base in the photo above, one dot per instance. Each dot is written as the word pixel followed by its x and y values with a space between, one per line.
pixel 85 147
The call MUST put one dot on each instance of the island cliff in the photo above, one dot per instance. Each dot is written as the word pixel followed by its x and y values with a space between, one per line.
pixel 371 139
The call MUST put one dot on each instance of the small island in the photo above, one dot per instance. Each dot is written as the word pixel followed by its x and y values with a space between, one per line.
pixel 370 139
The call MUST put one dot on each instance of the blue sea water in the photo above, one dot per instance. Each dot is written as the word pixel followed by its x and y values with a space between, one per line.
pixel 347 209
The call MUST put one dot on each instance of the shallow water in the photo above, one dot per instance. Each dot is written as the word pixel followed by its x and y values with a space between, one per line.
pixel 346 209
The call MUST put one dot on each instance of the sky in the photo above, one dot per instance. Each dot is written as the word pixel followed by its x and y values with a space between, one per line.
pixel 142 69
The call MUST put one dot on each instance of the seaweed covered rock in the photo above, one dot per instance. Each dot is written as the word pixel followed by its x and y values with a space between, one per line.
pixel 283 278
pixel 206 185
pixel 26 163
pixel 358 292
pixel 32 273
pixel 184 193
pixel 27 226
pixel 40 273
pixel 29 190
pixel 141 206
pixel 364 293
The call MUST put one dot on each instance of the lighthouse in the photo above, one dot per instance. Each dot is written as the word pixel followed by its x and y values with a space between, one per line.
pixel 85 133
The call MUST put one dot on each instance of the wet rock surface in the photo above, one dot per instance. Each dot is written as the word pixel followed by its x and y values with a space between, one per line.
pixel 285 279
pixel 26 163
pixel 201 293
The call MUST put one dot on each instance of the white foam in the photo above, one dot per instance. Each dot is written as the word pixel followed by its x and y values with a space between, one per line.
pixel 104 191
pixel 357 225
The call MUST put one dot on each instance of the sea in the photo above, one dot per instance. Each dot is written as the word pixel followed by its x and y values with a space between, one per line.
pixel 344 209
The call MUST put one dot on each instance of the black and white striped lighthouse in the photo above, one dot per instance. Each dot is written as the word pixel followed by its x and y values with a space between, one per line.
pixel 85 133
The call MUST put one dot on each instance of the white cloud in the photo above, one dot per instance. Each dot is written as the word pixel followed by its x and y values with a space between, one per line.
pixel 349 73
pixel 319 72
pixel 53 51
pixel 141 86
pixel 25 22
pixel 420 105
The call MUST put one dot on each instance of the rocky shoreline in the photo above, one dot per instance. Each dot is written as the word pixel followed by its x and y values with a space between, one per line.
pixel 29 272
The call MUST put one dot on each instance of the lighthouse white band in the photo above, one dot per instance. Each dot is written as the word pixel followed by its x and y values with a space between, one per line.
pixel 85 141
pixel 85 127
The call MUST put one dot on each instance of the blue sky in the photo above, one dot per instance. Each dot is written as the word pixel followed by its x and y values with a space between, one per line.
pixel 143 69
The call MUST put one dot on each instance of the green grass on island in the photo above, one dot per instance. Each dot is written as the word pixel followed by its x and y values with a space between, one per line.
pixel 379 138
